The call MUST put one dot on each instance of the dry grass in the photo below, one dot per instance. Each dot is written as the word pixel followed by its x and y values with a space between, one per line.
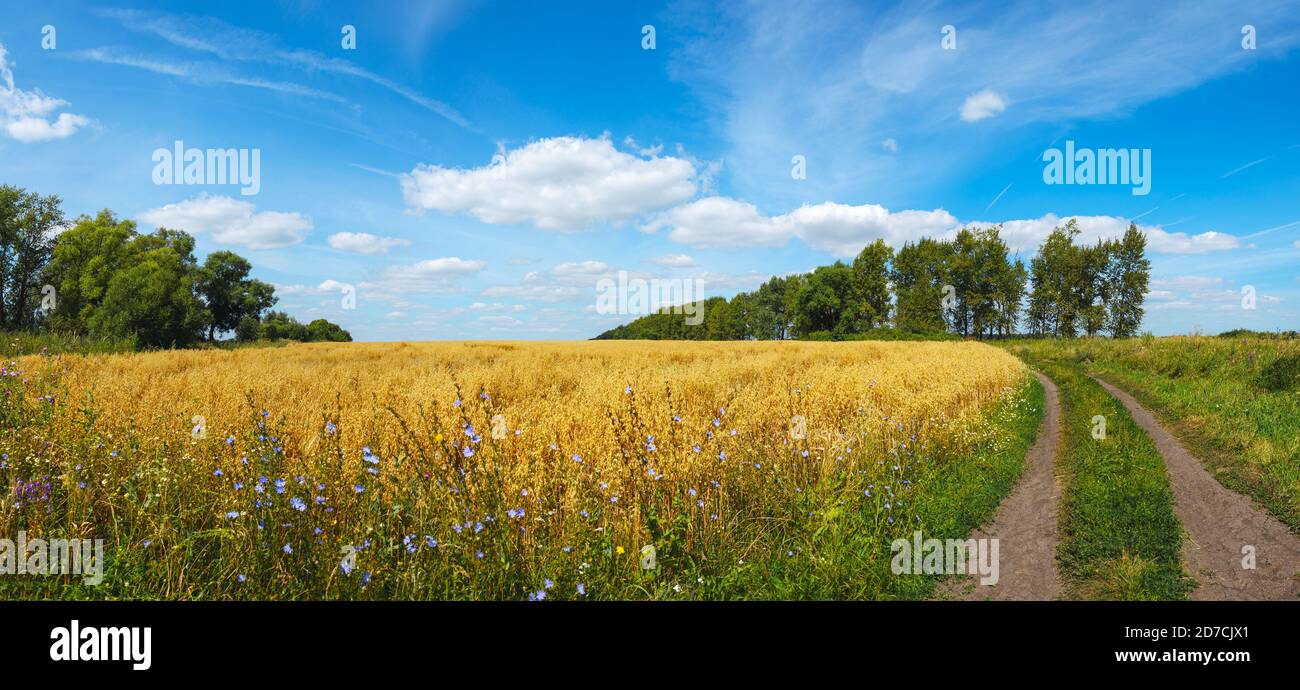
pixel 611 445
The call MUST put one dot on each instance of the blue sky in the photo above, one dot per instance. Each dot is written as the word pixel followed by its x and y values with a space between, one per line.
pixel 473 169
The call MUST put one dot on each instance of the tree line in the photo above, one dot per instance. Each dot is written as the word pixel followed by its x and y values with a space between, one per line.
pixel 103 278
pixel 969 286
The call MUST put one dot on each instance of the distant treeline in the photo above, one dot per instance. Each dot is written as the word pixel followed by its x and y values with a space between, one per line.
pixel 102 279
pixel 969 286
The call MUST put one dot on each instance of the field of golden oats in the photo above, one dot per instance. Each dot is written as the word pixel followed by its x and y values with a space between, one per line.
pixel 500 470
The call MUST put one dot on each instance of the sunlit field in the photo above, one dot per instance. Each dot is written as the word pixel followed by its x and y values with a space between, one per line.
pixel 460 470
pixel 1236 400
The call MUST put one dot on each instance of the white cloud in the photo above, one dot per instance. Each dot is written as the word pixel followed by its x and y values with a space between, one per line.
pixel 1026 235
pixel 673 261
pixel 835 76
pixel 579 272
pixel 889 145
pixel 536 287
pixel 1200 293
pixel 364 243
pixel 647 151
pixel 844 229
pixel 201 73
pixel 327 288
pixel 1297 244
pixel 719 221
pixel 497 307
pixel 24 114
pixel 982 105
pixel 428 276
pixel 1186 282
pixel 535 293
pixel 500 320
pixel 562 184
pixel 231 221
pixel 1181 243
pixel 728 281
pixel 231 43
pixel 839 228
pixel 331 285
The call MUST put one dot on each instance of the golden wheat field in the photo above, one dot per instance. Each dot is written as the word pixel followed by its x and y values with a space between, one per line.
pixel 465 469
pixel 557 392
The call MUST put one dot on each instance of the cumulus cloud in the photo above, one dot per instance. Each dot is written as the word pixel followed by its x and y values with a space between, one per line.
pixel 364 243
pixel 673 261
pixel 839 228
pixel 535 287
pixel 231 221
pixel 535 292
pixel 496 307
pixel 719 221
pixel 500 320
pixel 25 115
pixel 580 272
pixel 1026 235
pixel 428 276
pixel 560 184
pixel 1181 243
pixel 889 145
pixel 1185 283
pixel 982 105
pixel 844 229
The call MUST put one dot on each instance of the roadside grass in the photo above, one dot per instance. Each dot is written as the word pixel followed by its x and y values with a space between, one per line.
pixel 1120 539
pixel 1235 402
pixel 952 495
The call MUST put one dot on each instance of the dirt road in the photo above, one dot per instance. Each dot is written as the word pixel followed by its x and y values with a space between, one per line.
pixel 1223 526
pixel 1025 525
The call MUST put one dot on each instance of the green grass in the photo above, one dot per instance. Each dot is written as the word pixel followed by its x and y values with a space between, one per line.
pixel 18 343
pixel 1120 538
pixel 844 553
pixel 1234 401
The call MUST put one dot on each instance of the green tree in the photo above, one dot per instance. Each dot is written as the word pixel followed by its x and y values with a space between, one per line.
pixel 278 325
pixel 151 296
pixel 870 294
pixel 229 293
pixel 1094 292
pixel 84 259
pixel 1128 277
pixel 248 329
pixel 823 301
pixel 321 330
pixel 919 273
pixel 1056 303
pixel 28 222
